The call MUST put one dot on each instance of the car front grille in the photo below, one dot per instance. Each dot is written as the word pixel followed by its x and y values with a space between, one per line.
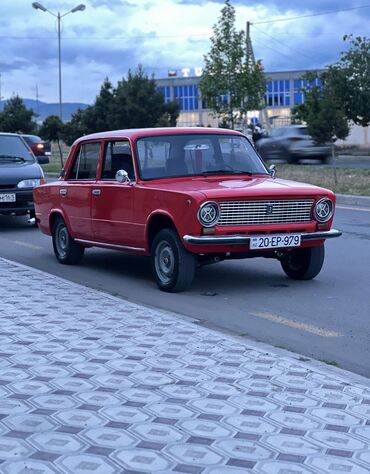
pixel 269 211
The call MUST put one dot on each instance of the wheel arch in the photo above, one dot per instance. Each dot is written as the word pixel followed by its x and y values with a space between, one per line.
pixel 157 222
pixel 53 216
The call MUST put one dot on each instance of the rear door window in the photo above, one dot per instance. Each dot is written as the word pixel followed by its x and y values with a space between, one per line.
pixel 86 162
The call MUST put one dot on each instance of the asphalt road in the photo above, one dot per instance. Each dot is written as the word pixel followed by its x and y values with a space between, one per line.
pixel 326 319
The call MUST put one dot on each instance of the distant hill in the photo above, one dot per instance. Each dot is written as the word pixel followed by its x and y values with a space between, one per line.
pixel 44 109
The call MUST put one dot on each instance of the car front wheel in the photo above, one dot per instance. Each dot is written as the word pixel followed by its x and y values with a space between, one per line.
pixel 172 265
pixel 66 250
pixel 304 264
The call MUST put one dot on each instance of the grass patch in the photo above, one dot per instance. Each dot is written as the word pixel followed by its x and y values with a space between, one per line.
pixel 55 166
pixel 350 181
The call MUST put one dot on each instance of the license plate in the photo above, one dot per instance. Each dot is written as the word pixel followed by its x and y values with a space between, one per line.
pixel 275 241
pixel 7 197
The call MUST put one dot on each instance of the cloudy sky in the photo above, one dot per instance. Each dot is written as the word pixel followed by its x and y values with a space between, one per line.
pixel 111 36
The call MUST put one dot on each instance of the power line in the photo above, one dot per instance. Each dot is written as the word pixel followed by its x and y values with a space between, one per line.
pixel 311 15
pixel 104 37
pixel 285 44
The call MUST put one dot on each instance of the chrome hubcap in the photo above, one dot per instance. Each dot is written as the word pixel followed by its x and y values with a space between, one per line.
pixel 164 262
pixel 62 240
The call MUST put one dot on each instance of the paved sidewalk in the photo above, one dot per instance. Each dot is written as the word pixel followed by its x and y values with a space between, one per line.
pixel 92 384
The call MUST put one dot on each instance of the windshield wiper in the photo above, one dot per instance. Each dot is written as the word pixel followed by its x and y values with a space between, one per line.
pixel 226 171
pixel 12 158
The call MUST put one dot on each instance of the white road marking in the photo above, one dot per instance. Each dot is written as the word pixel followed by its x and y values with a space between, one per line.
pixel 297 325
pixel 354 208
pixel 27 245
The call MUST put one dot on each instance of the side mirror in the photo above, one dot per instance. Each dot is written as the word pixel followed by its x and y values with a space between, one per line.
pixel 122 176
pixel 272 171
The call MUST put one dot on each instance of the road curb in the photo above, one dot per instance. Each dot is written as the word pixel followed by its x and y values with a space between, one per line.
pixel 350 200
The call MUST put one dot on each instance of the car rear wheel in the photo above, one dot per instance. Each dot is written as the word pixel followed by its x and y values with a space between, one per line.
pixel 173 267
pixel 66 250
pixel 304 264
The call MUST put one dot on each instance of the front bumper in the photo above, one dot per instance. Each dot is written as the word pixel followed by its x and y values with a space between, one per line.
pixel 245 239
pixel 23 202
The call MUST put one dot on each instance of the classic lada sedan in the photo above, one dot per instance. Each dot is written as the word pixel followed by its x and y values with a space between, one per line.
pixel 185 197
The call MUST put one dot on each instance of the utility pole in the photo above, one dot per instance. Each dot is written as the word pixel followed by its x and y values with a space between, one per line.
pixel 251 62
pixel 0 89
pixel 249 47
pixel 37 100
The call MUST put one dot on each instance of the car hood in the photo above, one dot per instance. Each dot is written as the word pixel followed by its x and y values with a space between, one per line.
pixel 12 173
pixel 242 187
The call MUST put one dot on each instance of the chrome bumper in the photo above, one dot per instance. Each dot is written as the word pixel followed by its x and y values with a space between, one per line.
pixel 244 239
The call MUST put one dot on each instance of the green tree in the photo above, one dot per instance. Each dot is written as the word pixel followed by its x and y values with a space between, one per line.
pixel 52 130
pixel 323 110
pixel 16 117
pixel 134 103
pixel 229 85
pixel 76 127
pixel 352 79
pixel 137 104
pixel 98 118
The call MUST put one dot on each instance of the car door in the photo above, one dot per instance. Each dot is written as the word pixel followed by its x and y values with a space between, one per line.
pixel 75 192
pixel 112 202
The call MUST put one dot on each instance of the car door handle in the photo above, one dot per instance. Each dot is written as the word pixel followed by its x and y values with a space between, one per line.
pixel 96 192
pixel 63 192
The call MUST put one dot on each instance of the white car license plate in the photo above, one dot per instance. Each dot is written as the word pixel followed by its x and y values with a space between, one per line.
pixel 275 241
pixel 7 197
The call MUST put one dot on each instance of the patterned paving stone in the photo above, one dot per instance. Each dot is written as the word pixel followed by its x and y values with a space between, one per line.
pixel 157 433
pixel 92 384
pixel 57 442
pixel 86 464
pixel 281 467
pixel 12 448
pixel 142 460
pixel 194 454
pixel 109 437
pixel 243 449
pixel 336 464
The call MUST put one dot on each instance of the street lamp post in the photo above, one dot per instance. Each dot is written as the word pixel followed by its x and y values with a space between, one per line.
pixel 81 7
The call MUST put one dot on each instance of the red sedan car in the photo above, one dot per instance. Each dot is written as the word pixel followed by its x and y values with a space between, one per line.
pixel 185 197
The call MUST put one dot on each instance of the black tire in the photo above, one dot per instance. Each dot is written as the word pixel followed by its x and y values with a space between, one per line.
pixel 304 264
pixel 173 267
pixel 66 250
pixel 327 160
pixel 290 159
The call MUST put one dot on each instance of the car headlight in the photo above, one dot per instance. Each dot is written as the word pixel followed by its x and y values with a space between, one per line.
pixel 29 183
pixel 208 214
pixel 324 210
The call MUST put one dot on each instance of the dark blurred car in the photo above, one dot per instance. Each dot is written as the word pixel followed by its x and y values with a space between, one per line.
pixel 19 174
pixel 292 143
pixel 41 149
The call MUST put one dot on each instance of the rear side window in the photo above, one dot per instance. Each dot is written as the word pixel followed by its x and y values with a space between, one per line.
pixel 86 162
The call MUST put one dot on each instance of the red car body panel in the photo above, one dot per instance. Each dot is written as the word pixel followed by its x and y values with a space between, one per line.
pixel 122 214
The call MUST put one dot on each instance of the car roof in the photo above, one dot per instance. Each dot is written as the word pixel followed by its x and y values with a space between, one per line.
pixel 10 134
pixel 135 133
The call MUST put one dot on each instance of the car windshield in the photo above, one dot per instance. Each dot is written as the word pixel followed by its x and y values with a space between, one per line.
pixel 12 148
pixel 168 156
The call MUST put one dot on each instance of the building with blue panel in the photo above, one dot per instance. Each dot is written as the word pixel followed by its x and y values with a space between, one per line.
pixel 283 91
